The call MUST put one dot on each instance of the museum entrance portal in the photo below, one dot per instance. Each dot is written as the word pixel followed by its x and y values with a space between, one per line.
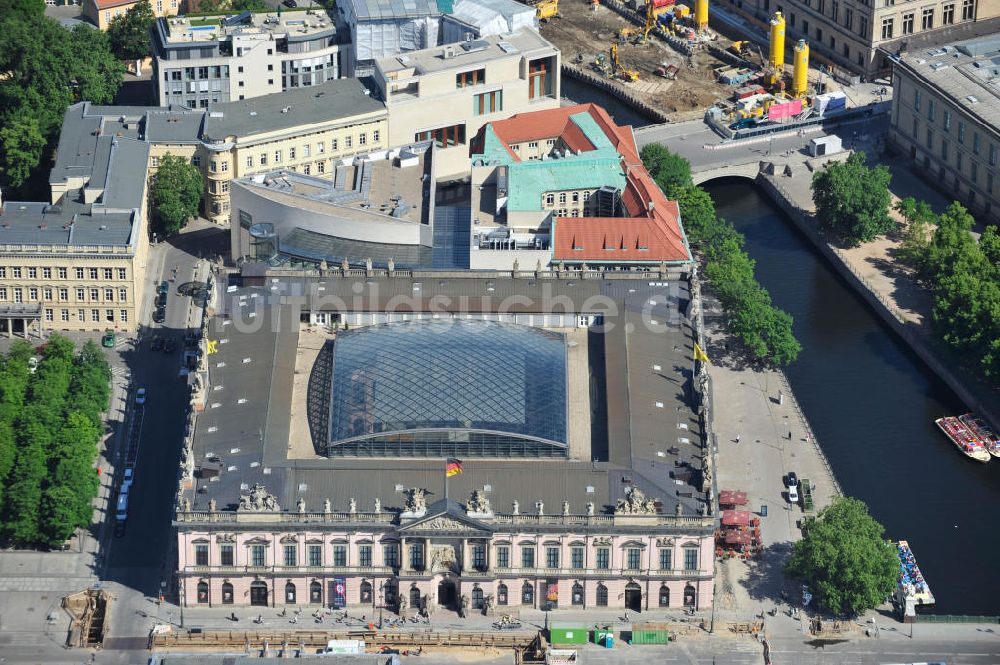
pixel 258 594
pixel 633 597
pixel 446 594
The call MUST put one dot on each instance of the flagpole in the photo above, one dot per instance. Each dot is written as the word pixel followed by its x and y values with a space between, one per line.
pixel 446 479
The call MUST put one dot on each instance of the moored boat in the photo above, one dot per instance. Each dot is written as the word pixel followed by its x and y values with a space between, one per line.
pixel 983 432
pixel 912 585
pixel 963 438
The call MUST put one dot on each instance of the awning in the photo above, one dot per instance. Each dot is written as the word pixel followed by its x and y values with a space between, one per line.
pixel 735 518
pixel 737 538
pixel 732 498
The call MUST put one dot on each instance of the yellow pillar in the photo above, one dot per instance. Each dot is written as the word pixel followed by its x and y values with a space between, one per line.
pixel 776 53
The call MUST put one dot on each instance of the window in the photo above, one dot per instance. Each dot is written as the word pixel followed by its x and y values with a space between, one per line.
pixel 340 555
pixel 348 141
pixel 666 559
pixel 975 143
pixel 835 11
pixel 958 161
pixel 63 313
pixel 887 28
pixel 49 315
pixel 487 102
pixel 503 556
pixel 81 315
pixel 527 556
pixel 479 557
pixel 390 555
pixel 81 293
pixel 365 556
pixel 527 594
pixel 305 150
pixel 603 558
pixel 363 138
pixel 927 19
pixel 62 273
pixel 930 139
pixel 993 154
pixel 908 23
pixel 947 121
pixel 948 14
pixel 201 555
pixel 417 557
pixel 931 110
pixel 315 555
pixel 576 557
pixel 551 557
pixel 46 273
pixel 320 147
pixel 202 592
pixel 333 145
pixel 79 273
pixel 577 596
pixel 291 555
pixel 33 294
pixel 196 160
pixel 156 162
pixel 123 315
pixel 365 595
pixel 257 555
pixel 974 172
pixel 95 295
pixel 277 156
pixel 664 596
pixel 226 555
pixel 3 293
pixel 550 199
pixel 290 592
pixel 968 10
pixel 315 593
pixel 444 136
pixel 961 132
pixel 690 558
pixel 307 169
pixel 633 556
pixel 122 295
pixel 291 153
pixel 109 295
pixel 863 26
pixel 501 594
pixel 249 161
pixel 466 79
pixel 944 150
pixel 19 296
pixel 320 167
pixel 32 273
pixel 263 159
pixel 848 18
pixel 602 595
pixel 375 136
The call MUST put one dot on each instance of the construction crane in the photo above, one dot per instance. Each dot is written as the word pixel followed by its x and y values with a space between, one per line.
pixel 620 70
pixel 649 24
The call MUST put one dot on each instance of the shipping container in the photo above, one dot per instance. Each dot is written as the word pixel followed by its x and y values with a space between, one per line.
pixel 659 636
pixel 749 91
pixel 784 110
pixel 569 635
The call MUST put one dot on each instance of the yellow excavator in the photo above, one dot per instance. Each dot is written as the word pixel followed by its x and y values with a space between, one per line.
pixel 620 70
pixel 648 25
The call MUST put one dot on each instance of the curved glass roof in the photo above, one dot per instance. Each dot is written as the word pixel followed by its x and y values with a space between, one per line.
pixel 436 388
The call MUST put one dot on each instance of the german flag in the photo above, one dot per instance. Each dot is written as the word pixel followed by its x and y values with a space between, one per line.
pixel 453 467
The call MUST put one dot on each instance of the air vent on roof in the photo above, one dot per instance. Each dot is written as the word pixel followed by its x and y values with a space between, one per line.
pixel 507 47
pixel 476 45
pixel 972 99
pixel 938 66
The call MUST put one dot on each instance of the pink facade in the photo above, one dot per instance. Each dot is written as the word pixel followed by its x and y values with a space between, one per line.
pixel 639 561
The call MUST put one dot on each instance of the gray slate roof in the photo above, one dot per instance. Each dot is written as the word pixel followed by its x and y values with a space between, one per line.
pixel 179 126
pixel 367 10
pixel 330 101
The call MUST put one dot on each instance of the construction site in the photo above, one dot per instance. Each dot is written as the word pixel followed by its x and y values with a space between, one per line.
pixel 665 55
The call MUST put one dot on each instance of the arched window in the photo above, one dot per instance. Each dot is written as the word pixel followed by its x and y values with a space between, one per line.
pixel 528 594
pixel 477 598
pixel 227 593
pixel 315 593
pixel 366 593
pixel 389 591
pixel 690 596
pixel 602 595
pixel 664 596
pixel 203 592
pixel 290 593
pixel 414 597
pixel 577 598
pixel 501 594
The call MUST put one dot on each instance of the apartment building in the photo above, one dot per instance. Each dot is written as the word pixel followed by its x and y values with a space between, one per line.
pixel 100 12
pixel 210 60
pixel 847 35
pixel 446 94
pixel 78 261
pixel 946 118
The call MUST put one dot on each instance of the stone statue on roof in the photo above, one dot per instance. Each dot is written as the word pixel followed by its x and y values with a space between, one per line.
pixel 416 500
pixel 635 503
pixel 258 500
pixel 478 504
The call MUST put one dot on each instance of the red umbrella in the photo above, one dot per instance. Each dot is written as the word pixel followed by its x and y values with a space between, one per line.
pixel 737 538
pixel 732 498
pixel 735 518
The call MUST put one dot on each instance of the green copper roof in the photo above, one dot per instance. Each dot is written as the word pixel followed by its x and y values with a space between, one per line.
pixel 527 181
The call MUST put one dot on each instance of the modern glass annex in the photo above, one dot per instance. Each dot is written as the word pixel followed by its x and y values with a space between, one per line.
pixel 436 388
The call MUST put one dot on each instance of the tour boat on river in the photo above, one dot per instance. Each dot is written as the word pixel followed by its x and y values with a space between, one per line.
pixel 983 432
pixel 964 439
pixel 912 585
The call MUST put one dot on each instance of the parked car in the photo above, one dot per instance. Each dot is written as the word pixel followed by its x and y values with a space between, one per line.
pixel 169 346
pixel 745 123
pixel 108 341
pixel 156 343
pixel 793 494
pixel 793 480
pixel 159 315
pixel 164 287
pixel 290 3
pixel 140 396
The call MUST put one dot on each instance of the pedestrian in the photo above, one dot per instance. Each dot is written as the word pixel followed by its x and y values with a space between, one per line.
pixel 737 438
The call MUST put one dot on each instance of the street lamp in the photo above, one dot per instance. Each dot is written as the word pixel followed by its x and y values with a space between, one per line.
pixel 381 602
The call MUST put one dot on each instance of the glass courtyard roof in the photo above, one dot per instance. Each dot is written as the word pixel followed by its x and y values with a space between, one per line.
pixel 439 388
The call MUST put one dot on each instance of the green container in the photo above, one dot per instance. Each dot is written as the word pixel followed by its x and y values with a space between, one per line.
pixel 650 636
pixel 601 635
pixel 574 635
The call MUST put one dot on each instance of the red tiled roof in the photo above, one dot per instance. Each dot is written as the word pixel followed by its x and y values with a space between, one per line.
pixel 109 4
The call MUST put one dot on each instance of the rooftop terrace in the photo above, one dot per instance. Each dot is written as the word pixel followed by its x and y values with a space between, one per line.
pixel 291 24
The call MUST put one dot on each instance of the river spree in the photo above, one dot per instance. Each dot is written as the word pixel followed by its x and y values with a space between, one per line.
pixel 872 405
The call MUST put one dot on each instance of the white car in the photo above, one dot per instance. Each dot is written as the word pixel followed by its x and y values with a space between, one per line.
pixel 793 493
pixel 140 396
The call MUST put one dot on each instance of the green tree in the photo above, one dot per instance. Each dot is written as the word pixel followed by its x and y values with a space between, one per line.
pixel 13 386
pixel 21 147
pixel 128 33
pixel 844 558
pixel 852 199
pixel 916 239
pixel 58 506
pixel 251 6
pixel 23 7
pixel 697 211
pixel 668 169
pixel 177 189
